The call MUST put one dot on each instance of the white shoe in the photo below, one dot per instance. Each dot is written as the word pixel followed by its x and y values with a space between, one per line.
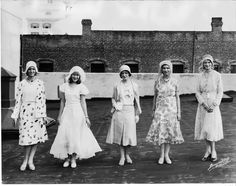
pixel 66 163
pixel 31 166
pixel 161 160
pixel 168 161
pixel 73 163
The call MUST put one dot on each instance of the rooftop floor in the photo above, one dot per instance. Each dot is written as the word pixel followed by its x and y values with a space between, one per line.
pixel 187 166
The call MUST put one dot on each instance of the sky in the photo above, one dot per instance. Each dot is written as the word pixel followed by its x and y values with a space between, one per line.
pixel 162 15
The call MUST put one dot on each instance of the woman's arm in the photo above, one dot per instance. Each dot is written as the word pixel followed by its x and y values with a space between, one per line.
pixel 84 108
pixel 62 105
pixel 178 103
pixel 18 103
pixel 154 97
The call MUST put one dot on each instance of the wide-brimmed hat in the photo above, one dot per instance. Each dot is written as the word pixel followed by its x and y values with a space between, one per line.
pixel 31 64
pixel 165 62
pixel 79 70
pixel 125 67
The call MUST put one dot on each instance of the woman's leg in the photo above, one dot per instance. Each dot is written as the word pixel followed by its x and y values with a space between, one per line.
pixel 127 157
pixel 213 151
pixel 122 155
pixel 167 150
pixel 33 149
pixel 207 151
pixel 26 158
pixel 161 159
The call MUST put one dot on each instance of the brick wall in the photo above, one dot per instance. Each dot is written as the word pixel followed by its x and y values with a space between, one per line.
pixel 114 48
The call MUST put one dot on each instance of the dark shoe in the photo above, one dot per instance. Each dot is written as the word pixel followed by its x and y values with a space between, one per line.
pixel 207 157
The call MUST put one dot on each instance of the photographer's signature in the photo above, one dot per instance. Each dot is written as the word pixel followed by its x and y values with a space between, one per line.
pixel 221 163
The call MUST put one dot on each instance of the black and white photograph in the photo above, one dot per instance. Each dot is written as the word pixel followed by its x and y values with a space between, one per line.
pixel 118 92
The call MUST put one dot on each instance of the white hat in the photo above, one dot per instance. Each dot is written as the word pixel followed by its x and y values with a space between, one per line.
pixel 125 67
pixel 165 62
pixel 205 57
pixel 31 64
pixel 79 70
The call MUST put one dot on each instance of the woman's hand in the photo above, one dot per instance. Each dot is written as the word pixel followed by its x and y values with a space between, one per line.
pixel 178 116
pixel 59 120
pixel 88 122
pixel 136 119
pixel 14 122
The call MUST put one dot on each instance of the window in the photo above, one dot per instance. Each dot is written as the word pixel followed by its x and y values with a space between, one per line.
pixel 178 68
pixel 233 68
pixel 133 67
pixel 47 25
pixel 45 66
pixel 34 25
pixel 97 67
pixel 216 66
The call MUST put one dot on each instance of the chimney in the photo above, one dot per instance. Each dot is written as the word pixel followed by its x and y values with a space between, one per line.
pixel 86 26
pixel 216 24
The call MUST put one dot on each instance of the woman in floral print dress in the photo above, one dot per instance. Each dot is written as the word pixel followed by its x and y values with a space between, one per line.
pixel 30 107
pixel 165 127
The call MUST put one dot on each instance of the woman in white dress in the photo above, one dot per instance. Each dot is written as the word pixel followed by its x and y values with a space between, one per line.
pixel 126 110
pixel 30 107
pixel 209 92
pixel 74 138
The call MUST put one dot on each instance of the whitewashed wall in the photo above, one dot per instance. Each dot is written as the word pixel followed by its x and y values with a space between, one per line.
pixel 101 85
pixel 11 28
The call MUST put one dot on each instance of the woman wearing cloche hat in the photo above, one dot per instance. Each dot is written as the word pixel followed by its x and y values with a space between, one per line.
pixel 209 92
pixel 30 107
pixel 126 110
pixel 74 138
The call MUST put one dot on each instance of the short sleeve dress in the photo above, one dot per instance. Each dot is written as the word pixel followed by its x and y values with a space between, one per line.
pixel 31 108
pixel 73 135
pixel 165 127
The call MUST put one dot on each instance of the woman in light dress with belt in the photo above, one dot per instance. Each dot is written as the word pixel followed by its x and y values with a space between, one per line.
pixel 208 123
pixel 30 108
pixel 126 110
pixel 165 127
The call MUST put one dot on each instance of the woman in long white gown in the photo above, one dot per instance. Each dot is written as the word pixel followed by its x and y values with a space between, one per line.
pixel 74 138
pixel 208 124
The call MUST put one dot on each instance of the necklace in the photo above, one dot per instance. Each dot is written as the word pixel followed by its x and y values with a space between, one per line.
pixel 165 79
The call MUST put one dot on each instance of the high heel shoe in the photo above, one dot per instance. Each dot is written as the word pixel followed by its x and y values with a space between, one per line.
pixel 207 156
pixel 31 166
pixel 122 161
pixel 23 166
pixel 66 163
pixel 168 161
pixel 161 160
pixel 214 157
pixel 128 159
pixel 73 163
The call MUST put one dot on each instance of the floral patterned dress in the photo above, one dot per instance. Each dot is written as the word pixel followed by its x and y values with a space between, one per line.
pixel 31 108
pixel 165 127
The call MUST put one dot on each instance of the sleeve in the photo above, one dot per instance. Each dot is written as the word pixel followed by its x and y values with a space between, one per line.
pixel 62 87
pixel 41 101
pixel 198 92
pixel 219 90
pixel 17 107
pixel 84 90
